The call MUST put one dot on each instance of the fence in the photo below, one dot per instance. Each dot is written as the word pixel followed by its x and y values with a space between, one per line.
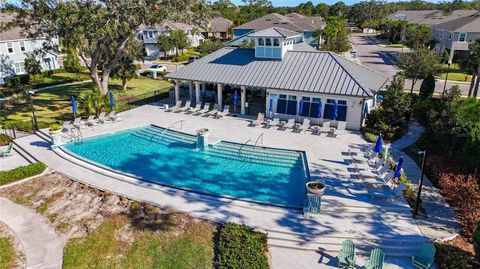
pixel 130 102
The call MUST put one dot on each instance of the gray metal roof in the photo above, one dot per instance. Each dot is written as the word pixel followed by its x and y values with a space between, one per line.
pixel 305 71
pixel 467 24
pixel 275 32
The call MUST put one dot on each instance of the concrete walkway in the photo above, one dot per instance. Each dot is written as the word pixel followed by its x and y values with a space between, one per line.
pixel 441 222
pixel 43 247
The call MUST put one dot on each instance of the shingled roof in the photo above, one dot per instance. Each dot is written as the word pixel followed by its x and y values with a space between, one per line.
pixel 303 71
pixel 467 24
pixel 292 22
pixel 430 17
pixel 14 33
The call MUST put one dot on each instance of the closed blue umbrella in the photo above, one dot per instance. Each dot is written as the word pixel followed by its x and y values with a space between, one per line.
pixel 235 96
pixel 335 110
pixel 319 110
pixel 74 106
pixel 112 100
pixel 367 108
pixel 270 108
pixel 398 170
pixel 300 108
pixel 379 146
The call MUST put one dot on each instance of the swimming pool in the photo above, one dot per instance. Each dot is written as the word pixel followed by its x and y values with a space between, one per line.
pixel 265 175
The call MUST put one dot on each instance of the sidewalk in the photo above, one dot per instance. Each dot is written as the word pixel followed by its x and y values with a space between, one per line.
pixel 440 222
pixel 43 247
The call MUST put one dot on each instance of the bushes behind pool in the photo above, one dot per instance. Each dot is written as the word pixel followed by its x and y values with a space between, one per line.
pixel 4 139
pixel 21 172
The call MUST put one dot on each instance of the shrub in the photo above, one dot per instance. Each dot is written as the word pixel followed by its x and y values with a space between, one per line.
pixel 370 137
pixel 16 81
pixel 428 86
pixel 4 139
pixel 54 127
pixel 476 241
pixel 450 257
pixel 21 172
pixel 72 63
pixel 25 126
pixel 240 247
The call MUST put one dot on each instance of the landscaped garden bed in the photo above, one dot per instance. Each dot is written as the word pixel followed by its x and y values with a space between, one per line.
pixel 21 173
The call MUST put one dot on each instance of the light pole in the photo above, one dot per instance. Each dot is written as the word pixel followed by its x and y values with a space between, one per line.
pixel 34 118
pixel 417 202
pixel 446 78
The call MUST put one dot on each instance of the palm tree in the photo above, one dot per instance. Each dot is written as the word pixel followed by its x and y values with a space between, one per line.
pixel 317 34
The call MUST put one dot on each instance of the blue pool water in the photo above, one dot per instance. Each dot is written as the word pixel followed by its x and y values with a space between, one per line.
pixel 267 175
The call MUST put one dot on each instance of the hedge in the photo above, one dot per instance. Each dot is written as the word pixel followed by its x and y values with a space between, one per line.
pixel 21 172
pixel 240 247
pixel 4 139
pixel 25 126
pixel 450 257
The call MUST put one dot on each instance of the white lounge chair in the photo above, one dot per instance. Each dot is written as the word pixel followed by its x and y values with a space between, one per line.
pixel 184 108
pixel 273 123
pixel 114 116
pixel 260 119
pixel 177 105
pixel 205 109
pixel 195 109
pixel 304 127
pixel 381 178
pixel 340 128
pixel 325 127
pixel 212 112
pixel 102 117
pixel 226 110
pixel 289 125
pixel 91 121
pixel 77 122
pixel 388 193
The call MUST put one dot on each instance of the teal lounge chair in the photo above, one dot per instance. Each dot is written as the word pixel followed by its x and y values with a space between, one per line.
pixel 376 259
pixel 347 257
pixel 8 151
pixel 425 257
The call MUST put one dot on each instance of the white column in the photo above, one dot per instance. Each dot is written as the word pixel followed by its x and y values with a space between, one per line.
pixel 177 91
pixel 243 95
pixel 220 96
pixel 190 89
pixel 197 92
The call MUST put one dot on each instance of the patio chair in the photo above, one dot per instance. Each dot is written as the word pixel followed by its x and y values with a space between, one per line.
pixel 426 257
pixel 260 119
pixel 389 193
pixel 113 116
pixel 289 125
pixel 273 123
pixel 102 118
pixel 175 107
pixel 77 122
pixel 212 112
pixel 226 110
pixel 304 127
pixel 91 121
pixel 377 171
pixel 183 108
pixel 347 257
pixel 7 152
pixel 386 179
pixel 376 259
pixel 205 109
pixel 325 127
pixel 195 109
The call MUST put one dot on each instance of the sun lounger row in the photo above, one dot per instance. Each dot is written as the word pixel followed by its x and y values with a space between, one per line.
pixel 347 258
pixel 206 111
pixel 92 120
pixel 304 126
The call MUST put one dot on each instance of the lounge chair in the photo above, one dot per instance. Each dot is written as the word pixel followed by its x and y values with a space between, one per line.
pixel 260 120
pixel 77 122
pixel 195 109
pixel 389 193
pixel 101 118
pixel 347 257
pixel 378 171
pixel 175 107
pixel 205 109
pixel 325 127
pixel 273 123
pixel 304 127
pixel 385 179
pixel 226 110
pixel 289 125
pixel 183 108
pixel 91 121
pixel 8 151
pixel 341 126
pixel 212 112
pixel 376 259
pixel 113 116
pixel 426 256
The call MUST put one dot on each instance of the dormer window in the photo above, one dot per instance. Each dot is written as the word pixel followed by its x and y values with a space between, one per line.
pixel 268 42
pixel 276 43
pixel 260 42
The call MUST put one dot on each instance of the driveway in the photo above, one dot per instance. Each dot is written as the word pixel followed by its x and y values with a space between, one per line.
pixel 373 56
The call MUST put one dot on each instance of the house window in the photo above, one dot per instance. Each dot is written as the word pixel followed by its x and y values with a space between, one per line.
pixel 268 42
pixel 10 47
pixel 150 34
pixel 19 68
pixel 292 105
pixel 305 107
pixel 287 104
pixel 260 42
pixel 341 110
pixel 276 43
pixel 22 45
pixel 462 37
pixel 310 107
pixel 282 104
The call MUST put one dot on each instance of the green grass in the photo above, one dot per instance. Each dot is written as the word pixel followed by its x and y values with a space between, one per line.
pixel 454 73
pixel 7 253
pixel 103 248
pixel 52 103
pixel 58 78
pixel 395 45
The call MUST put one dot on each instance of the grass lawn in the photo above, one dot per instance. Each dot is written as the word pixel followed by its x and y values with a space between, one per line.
pixel 395 45
pixel 7 253
pixel 52 103
pixel 59 78
pixel 112 245
pixel 455 73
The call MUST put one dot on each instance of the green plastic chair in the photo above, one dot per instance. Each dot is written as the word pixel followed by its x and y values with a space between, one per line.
pixel 376 259
pixel 425 257
pixel 8 152
pixel 347 257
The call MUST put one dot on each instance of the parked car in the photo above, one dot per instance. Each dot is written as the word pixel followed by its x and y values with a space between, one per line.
pixel 157 68
pixel 193 59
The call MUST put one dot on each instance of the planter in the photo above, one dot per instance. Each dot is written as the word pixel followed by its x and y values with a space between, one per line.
pixel 56 132
pixel 316 187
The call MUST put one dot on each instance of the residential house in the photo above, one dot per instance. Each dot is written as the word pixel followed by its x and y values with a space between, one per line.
pixel 304 25
pixel 451 31
pixel 218 28
pixel 14 46
pixel 282 79
pixel 149 34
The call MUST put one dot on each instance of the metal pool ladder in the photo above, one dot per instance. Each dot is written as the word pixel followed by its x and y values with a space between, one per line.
pixel 170 126
pixel 258 139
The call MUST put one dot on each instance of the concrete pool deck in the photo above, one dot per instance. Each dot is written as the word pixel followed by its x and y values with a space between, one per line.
pixel 347 210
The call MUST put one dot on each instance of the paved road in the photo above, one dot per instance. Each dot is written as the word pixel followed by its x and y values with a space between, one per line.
pixel 373 56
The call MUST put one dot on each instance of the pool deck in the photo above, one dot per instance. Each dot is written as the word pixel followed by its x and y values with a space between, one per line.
pixel 347 211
